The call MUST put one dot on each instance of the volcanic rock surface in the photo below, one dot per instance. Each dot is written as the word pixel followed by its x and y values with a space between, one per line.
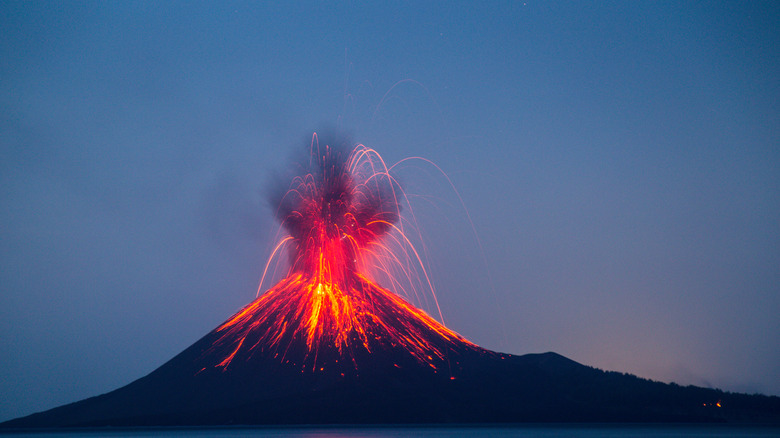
pixel 373 378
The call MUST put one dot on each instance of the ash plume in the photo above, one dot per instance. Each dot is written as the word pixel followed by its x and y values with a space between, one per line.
pixel 335 194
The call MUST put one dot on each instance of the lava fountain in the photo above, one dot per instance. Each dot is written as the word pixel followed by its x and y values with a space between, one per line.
pixel 340 223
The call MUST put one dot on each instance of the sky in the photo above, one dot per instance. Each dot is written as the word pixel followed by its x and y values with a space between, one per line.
pixel 619 164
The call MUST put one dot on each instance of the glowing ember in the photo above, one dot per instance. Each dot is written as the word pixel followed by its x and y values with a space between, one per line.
pixel 335 213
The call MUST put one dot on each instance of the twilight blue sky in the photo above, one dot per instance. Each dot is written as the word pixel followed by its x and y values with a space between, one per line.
pixel 620 162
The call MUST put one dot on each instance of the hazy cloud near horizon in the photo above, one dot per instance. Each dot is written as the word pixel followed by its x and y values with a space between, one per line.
pixel 619 162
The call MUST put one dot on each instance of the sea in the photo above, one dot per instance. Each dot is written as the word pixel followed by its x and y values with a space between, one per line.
pixel 524 431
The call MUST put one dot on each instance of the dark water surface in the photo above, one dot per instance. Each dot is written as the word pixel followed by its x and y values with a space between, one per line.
pixel 542 431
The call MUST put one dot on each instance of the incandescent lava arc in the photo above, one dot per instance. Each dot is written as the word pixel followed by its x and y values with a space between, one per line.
pixel 328 312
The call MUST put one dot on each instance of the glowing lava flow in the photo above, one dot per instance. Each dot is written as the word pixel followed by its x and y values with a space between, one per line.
pixel 327 310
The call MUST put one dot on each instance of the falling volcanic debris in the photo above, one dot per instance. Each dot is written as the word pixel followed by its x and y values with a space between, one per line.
pixel 327 312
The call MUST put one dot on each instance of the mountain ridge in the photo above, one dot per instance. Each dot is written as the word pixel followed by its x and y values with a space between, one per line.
pixel 491 388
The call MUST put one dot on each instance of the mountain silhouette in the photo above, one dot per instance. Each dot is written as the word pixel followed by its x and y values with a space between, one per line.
pixel 393 365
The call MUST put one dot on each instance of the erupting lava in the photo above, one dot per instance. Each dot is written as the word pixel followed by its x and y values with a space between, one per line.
pixel 328 313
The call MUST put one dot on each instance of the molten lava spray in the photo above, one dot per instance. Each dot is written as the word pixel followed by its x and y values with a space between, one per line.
pixel 328 313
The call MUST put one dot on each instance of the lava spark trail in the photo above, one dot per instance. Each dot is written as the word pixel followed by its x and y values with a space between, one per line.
pixel 341 217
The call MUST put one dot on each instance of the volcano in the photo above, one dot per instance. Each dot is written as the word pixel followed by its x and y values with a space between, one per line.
pixel 328 345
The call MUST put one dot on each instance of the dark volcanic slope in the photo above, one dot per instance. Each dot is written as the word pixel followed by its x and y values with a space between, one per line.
pixel 380 380
pixel 490 388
